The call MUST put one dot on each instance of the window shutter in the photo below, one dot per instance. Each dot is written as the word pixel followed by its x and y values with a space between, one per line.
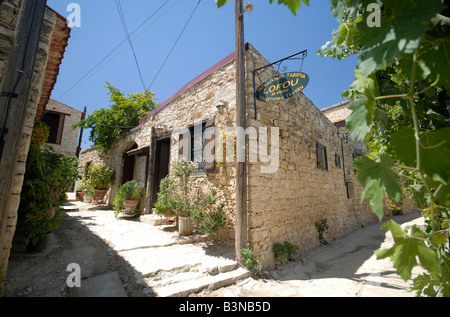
pixel 184 147
pixel 209 149
pixel 350 189
pixel 337 159
pixel 321 153
pixel 180 146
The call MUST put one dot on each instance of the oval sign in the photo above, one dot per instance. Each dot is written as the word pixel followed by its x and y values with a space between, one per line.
pixel 282 87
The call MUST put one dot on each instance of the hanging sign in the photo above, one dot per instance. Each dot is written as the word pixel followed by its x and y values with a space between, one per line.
pixel 282 87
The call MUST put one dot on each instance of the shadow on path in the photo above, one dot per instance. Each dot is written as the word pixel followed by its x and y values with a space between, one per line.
pixel 45 274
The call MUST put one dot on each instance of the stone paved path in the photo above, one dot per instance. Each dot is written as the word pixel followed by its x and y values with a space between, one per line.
pixel 154 261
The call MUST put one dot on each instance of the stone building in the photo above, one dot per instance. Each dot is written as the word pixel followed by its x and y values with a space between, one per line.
pixel 338 113
pixel 299 163
pixel 42 63
pixel 60 118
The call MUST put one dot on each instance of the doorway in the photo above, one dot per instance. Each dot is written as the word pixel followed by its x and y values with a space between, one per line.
pixel 128 165
pixel 162 157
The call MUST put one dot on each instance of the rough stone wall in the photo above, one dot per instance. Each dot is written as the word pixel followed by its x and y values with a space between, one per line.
pixel 283 206
pixel 89 156
pixel 196 104
pixel 9 11
pixel 69 140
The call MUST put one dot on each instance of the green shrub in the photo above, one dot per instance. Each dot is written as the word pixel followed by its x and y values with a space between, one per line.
pixel 284 252
pixel 131 190
pixel 167 202
pixel 48 177
pixel 88 189
pixel 208 216
pixel 322 226
pixel 100 176
pixel 250 262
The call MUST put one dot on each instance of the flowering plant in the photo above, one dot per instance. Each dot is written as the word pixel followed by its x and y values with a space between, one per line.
pixel 100 176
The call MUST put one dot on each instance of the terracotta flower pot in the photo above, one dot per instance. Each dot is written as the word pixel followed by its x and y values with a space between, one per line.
pixel 100 194
pixel 50 213
pixel 129 205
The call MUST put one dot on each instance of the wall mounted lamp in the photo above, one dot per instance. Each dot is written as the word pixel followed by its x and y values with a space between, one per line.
pixel 221 106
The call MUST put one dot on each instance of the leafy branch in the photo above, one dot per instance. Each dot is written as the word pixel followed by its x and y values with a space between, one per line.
pixel 400 110
pixel 124 113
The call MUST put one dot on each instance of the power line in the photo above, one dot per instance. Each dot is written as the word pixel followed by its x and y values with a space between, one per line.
pixel 138 35
pixel 117 47
pixel 125 28
pixel 179 36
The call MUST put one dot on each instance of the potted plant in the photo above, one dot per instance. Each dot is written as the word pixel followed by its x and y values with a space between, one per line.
pixel 86 191
pixel 166 205
pixel 208 215
pixel 100 177
pixel 89 194
pixel 174 198
pixel 183 170
pixel 127 198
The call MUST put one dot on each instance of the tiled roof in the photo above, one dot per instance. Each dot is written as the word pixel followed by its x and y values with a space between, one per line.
pixel 58 45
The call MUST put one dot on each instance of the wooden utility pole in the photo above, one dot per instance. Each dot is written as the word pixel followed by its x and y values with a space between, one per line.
pixel 80 137
pixel 241 164
pixel 14 98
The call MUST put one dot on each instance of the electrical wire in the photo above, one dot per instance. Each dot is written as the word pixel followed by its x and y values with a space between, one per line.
pixel 138 35
pixel 110 53
pixel 179 36
pixel 125 28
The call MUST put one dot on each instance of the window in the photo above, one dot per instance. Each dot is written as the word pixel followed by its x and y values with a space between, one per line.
pixel 196 145
pixel 321 152
pixel 56 123
pixel 340 124
pixel 337 160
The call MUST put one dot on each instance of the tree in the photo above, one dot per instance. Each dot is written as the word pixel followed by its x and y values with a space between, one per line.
pixel 107 124
pixel 401 111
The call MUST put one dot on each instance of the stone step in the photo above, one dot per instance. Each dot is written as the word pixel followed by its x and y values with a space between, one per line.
pixel 69 207
pixel 182 284
pixel 156 220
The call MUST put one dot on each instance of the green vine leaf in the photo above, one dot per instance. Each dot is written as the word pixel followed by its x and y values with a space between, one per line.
pixel 358 122
pixel 406 249
pixel 377 178
pixel 434 151
pixel 403 25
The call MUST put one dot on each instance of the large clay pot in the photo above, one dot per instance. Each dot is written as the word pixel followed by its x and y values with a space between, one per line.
pixel 100 194
pixel 129 205
pixel 50 213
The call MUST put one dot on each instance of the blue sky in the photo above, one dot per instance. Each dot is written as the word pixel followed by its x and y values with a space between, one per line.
pixel 271 28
